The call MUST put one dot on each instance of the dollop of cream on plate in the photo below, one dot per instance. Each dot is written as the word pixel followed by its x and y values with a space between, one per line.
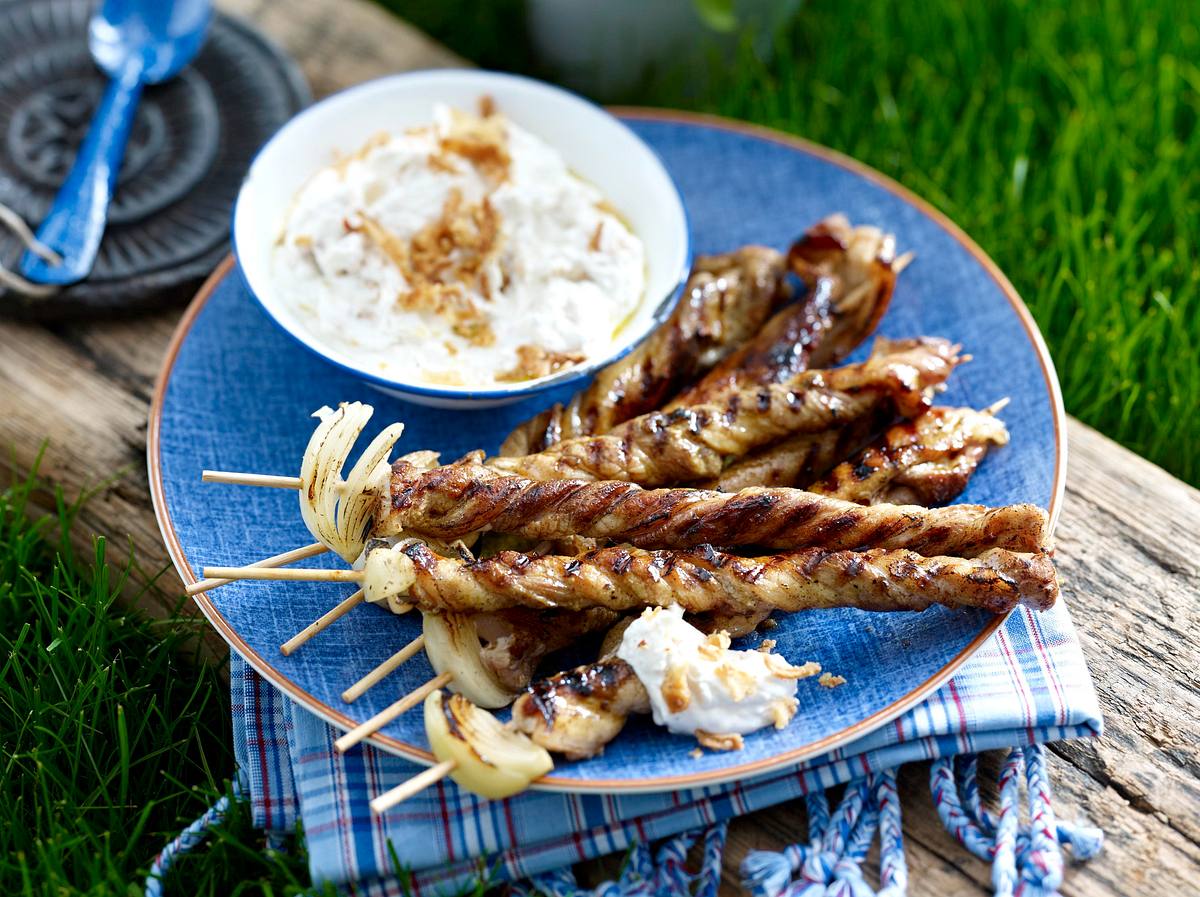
pixel 699 686
pixel 463 253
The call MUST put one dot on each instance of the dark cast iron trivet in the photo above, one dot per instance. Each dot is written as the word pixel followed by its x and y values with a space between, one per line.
pixel 191 143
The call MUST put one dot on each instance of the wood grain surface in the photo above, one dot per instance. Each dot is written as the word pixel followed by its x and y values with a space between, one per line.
pixel 1128 545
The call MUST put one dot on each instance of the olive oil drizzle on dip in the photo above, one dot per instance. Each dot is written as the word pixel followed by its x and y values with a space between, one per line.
pixel 462 253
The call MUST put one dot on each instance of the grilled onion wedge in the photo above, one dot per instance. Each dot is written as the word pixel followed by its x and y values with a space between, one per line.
pixel 452 646
pixel 387 576
pixel 491 759
pixel 337 511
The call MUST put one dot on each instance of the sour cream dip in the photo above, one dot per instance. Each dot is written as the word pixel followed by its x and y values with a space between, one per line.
pixel 698 686
pixel 462 253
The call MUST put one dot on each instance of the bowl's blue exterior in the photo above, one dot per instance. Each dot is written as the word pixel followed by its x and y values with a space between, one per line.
pixel 238 394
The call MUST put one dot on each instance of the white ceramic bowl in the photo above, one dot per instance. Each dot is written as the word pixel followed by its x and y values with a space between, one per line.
pixel 595 144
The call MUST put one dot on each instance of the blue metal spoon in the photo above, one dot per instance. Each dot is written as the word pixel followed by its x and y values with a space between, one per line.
pixel 135 42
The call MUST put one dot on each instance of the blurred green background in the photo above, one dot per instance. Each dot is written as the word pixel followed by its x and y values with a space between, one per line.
pixel 1060 135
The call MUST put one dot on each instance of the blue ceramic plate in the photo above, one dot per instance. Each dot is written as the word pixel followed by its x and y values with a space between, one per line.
pixel 236 394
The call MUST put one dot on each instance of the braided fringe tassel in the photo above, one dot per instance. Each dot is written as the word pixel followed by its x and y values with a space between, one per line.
pixel 830 864
pixel 1026 859
pixel 191 837
pixel 647 873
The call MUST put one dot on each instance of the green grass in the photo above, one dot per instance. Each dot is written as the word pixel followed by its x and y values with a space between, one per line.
pixel 1061 135
pixel 112 740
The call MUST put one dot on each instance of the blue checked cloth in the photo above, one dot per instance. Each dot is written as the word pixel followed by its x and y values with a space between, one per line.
pixel 1029 684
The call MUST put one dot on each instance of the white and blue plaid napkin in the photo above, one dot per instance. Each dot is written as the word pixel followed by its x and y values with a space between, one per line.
pixel 1028 685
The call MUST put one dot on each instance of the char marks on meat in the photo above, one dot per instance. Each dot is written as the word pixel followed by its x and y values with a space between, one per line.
pixel 705 580
pixel 724 303
pixel 577 712
pixel 452 502
pixel 693 442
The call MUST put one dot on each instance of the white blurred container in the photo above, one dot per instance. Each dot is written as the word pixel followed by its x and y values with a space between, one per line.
pixel 606 47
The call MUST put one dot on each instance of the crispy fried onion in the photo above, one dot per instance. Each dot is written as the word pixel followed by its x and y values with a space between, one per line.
pixel 338 512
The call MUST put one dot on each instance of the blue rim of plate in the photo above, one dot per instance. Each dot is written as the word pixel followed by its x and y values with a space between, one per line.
pixel 662 311
pixel 796 755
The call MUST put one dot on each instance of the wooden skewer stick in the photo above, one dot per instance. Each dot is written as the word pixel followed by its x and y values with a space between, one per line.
pixel 284 574
pixel 417 783
pixel 269 480
pixel 381 719
pixel 322 622
pixel 288 557
pixel 359 688
pixel 234 478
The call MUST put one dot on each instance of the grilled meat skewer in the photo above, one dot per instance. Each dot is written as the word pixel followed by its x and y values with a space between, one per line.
pixel 454 501
pixel 928 459
pixel 693 442
pixel 851 273
pixel 861 266
pixel 724 303
pixel 579 711
pixel 802 458
pixel 925 461
pixel 704 579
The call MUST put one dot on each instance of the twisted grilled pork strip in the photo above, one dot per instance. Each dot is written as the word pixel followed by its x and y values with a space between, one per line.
pixel 693 442
pixel 726 300
pixel 926 461
pixel 801 458
pixel 851 273
pixel 578 712
pixel 453 501
pixel 704 579
pixel 858 268
pixel 929 460
pixel 861 266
